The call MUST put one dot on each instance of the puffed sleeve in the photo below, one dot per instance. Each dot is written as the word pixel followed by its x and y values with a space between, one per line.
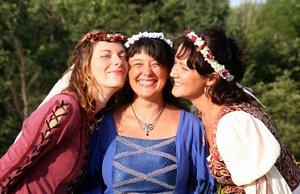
pixel 206 184
pixel 247 147
pixel 46 127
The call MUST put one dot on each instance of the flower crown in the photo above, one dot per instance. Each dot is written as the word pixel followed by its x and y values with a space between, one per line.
pixel 102 36
pixel 208 56
pixel 146 34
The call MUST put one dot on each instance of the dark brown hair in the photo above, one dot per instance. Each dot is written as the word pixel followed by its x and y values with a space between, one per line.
pixel 160 51
pixel 227 52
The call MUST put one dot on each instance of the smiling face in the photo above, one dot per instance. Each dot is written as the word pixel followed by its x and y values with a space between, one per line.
pixel 109 64
pixel 188 83
pixel 147 77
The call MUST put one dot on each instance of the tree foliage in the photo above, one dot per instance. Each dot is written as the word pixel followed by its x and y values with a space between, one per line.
pixel 34 49
pixel 37 37
pixel 270 34
pixel 281 98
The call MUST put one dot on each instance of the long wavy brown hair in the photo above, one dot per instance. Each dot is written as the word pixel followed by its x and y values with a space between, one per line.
pixel 82 81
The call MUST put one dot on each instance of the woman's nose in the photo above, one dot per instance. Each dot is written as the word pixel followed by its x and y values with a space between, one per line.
pixel 173 72
pixel 147 70
pixel 116 60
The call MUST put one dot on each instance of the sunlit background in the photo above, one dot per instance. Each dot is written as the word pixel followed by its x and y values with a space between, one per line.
pixel 37 37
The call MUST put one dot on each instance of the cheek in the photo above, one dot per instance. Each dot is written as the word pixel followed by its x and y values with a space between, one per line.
pixel 194 85
pixel 97 71
pixel 99 66
pixel 161 73
pixel 134 72
pixel 126 66
pixel 188 81
pixel 187 77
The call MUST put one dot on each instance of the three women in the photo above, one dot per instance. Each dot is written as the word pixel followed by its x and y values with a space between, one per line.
pixel 149 144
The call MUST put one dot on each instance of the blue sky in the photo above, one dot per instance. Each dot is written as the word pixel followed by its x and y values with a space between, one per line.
pixel 234 3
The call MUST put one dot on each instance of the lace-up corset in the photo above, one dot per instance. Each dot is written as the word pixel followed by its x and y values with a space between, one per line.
pixel 144 166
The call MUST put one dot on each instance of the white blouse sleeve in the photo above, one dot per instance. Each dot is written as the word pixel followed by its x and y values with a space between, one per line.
pixel 246 145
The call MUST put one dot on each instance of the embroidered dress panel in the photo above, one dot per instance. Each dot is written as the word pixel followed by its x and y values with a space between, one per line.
pixel 285 165
pixel 144 166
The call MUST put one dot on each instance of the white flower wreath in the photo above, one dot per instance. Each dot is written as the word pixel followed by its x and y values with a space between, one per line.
pixel 208 56
pixel 146 34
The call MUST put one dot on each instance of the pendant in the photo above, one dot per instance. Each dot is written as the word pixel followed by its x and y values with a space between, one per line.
pixel 147 128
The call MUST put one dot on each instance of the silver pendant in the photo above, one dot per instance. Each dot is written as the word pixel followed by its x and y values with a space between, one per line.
pixel 148 127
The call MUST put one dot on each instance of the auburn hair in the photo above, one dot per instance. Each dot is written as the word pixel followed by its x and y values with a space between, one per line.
pixel 82 81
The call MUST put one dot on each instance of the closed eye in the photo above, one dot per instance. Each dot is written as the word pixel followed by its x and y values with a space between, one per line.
pixel 137 64
pixel 123 56
pixel 105 56
pixel 180 65
pixel 155 64
pixel 185 68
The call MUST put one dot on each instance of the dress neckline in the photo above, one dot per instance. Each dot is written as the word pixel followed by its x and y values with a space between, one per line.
pixel 111 116
pixel 141 139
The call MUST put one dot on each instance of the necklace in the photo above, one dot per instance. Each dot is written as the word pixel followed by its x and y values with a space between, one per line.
pixel 147 127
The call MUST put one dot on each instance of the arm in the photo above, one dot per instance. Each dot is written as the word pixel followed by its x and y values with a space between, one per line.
pixel 42 131
pixel 57 88
pixel 205 182
pixel 247 147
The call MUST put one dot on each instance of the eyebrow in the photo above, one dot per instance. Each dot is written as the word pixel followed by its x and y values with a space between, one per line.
pixel 132 60
pixel 120 52
pixel 105 51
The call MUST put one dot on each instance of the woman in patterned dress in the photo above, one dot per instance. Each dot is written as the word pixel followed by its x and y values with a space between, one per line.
pixel 246 155
pixel 50 154
pixel 148 144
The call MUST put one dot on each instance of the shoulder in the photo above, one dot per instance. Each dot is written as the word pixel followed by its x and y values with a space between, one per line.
pixel 190 125
pixel 240 127
pixel 65 100
pixel 64 105
pixel 66 97
pixel 190 118
pixel 238 119
pixel 106 127
pixel 106 121
pixel 237 115
pixel 237 123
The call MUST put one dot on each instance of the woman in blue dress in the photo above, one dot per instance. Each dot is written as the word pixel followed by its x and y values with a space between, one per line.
pixel 149 144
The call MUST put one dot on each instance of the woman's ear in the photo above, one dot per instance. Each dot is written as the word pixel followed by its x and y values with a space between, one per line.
pixel 212 79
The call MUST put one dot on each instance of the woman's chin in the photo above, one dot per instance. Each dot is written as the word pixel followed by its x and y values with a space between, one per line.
pixel 177 93
pixel 115 84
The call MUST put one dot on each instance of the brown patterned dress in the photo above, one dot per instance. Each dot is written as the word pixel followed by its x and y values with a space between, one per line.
pixel 285 164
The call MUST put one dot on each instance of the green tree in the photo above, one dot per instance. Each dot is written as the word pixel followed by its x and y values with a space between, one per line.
pixel 281 98
pixel 131 16
pixel 270 35
pixel 37 38
pixel 34 48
